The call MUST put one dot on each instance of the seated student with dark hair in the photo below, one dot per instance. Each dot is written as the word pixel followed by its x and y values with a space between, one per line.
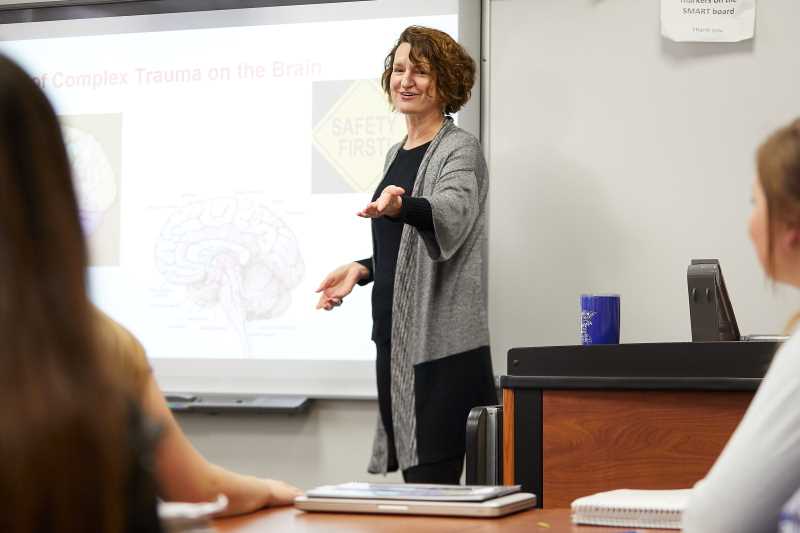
pixel 74 449
pixel 759 469
pixel 44 307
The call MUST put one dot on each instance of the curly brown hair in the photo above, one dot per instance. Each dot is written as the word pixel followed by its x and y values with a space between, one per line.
pixel 452 68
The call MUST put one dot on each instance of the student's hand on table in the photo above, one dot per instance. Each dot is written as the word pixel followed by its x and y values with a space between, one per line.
pixel 339 284
pixel 282 493
pixel 388 204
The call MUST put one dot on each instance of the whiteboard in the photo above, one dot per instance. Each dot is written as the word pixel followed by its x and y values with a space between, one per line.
pixel 220 157
pixel 617 156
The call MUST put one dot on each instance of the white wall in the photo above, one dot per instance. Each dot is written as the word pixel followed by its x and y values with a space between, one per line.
pixel 617 156
pixel 331 443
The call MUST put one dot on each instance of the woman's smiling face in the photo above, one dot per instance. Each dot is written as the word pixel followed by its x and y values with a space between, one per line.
pixel 413 85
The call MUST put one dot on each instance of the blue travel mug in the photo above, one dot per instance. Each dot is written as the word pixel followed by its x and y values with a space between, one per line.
pixel 599 319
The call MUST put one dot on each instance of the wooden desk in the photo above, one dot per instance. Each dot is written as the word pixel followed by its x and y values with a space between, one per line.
pixel 290 520
pixel 584 419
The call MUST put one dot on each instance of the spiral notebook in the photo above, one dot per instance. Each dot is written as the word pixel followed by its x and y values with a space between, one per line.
pixel 632 508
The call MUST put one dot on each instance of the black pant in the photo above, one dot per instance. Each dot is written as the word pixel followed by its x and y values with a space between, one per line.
pixel 447 471
pixel 383 373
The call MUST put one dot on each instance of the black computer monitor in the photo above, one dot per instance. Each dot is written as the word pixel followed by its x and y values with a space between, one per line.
pixel 710 306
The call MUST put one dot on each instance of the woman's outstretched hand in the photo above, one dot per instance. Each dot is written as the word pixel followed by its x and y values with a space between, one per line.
pixel 338 284
pixel 388 204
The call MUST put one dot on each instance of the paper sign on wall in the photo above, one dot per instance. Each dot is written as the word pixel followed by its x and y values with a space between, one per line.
pixel 708 20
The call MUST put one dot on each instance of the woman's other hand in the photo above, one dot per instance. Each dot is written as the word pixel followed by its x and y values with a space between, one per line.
pixel 388 204
pixel 339 284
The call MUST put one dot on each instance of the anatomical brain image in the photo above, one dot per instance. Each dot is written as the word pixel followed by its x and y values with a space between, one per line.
pixel 94 147
pixel 93 176
pixel 233 253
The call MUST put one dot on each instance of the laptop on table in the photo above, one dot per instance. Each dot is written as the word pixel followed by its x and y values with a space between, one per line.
pixel 417 499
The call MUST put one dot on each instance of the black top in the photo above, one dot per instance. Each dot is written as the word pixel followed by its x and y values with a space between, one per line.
pixel 386 233
pixel 142 512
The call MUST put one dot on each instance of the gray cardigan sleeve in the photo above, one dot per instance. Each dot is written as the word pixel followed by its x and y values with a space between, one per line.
pixel 456 200
pixel 759 469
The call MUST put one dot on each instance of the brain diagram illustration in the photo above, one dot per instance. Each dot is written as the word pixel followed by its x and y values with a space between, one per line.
pixel 233 253
pixel 93 175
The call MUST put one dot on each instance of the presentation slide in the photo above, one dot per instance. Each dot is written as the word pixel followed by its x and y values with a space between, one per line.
pixel 219 172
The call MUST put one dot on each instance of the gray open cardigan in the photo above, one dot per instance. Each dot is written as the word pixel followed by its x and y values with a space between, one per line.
pixel 440 360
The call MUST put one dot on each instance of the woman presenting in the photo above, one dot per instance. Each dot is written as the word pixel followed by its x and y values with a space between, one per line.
pixel 429 267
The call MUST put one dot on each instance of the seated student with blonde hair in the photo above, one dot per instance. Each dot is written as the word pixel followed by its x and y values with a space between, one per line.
pixel 759 469
pixel 183 474
pixel 74 450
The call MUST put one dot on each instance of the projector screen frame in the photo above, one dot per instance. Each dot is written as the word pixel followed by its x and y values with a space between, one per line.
pixel 43 11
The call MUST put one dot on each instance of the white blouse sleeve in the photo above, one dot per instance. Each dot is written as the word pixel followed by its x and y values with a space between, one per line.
pixel 759 469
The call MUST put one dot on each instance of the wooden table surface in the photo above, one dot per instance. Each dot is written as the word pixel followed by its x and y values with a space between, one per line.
pixel 291 520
